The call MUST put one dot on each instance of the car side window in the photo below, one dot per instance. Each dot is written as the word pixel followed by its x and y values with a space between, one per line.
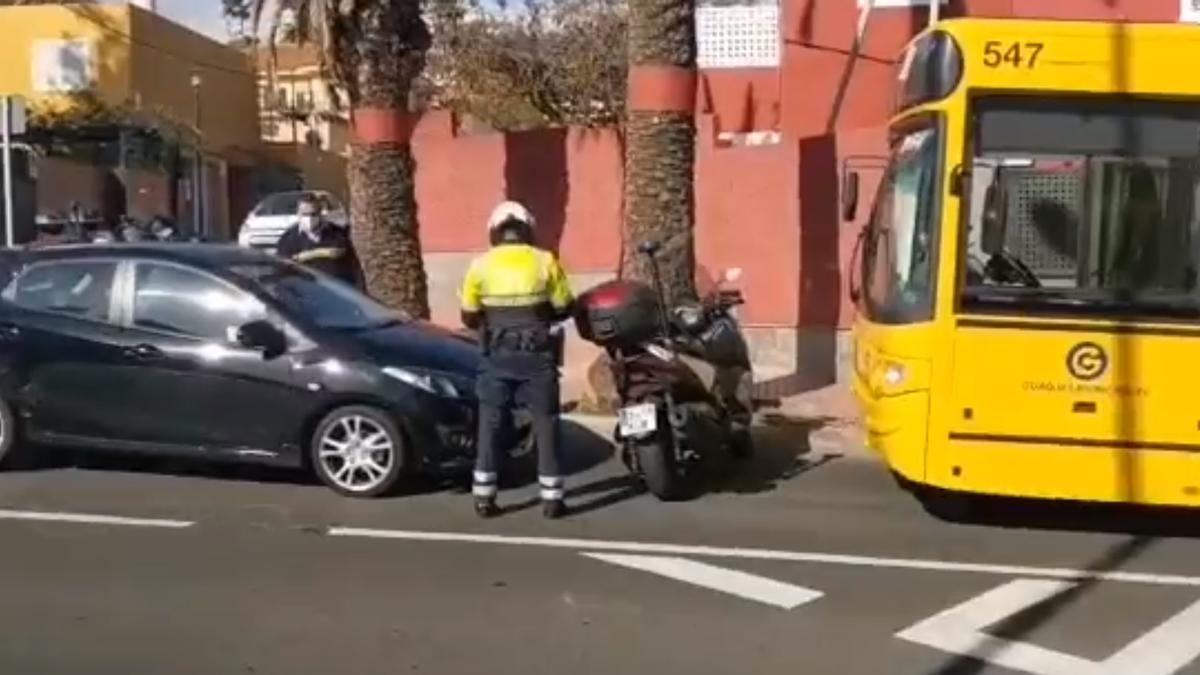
pixel 77 288
pixel 185 302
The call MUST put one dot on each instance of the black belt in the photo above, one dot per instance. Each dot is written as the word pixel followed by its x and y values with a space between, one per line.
pixel 524 340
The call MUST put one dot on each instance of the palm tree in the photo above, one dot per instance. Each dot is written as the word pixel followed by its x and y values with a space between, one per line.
pixel 371 51
pixel 661 140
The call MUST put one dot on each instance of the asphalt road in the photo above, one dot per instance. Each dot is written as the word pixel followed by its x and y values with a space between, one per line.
pixel 802 562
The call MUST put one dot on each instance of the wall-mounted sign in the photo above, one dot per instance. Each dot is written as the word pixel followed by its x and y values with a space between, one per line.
pixel 1189 11
pixel 880 4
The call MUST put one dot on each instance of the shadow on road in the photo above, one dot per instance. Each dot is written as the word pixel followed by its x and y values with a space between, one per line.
pixel 585 450
pixel 1019 626
pixel 1026 514
pixel 782 451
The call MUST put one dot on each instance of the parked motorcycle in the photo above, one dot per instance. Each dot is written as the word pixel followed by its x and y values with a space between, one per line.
pixel 682 373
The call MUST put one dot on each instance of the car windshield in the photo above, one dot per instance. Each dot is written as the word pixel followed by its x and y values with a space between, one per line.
pixel 1084 206
pixel 320 300
pixel 287 204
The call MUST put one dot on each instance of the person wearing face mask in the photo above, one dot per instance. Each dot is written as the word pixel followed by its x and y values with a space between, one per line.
pixel 319 244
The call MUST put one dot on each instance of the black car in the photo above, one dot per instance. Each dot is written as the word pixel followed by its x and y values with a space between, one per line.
pixel 224 352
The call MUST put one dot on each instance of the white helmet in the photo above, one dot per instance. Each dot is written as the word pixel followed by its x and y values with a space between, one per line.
pixel 509 210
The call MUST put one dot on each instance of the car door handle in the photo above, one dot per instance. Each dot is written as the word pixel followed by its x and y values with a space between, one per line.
pixel 143 351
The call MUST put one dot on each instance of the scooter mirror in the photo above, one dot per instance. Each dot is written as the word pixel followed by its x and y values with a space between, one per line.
pixel 732 274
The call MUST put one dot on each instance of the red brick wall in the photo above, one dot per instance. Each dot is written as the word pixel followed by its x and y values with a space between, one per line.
pixel 747 205
pixel 771 210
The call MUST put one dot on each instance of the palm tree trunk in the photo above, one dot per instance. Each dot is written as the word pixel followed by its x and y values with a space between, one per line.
pixel 387 59
pixel 661 150
pixel 385 229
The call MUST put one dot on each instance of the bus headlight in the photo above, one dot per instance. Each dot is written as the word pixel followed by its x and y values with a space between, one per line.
pixel 893 375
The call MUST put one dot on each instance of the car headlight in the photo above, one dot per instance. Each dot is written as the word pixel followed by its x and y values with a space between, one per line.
pixel 429 382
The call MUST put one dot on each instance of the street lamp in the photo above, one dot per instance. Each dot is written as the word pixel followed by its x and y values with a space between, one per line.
pixel 198 161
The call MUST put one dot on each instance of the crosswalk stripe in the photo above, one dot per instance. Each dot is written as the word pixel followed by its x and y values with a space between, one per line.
pixel 733 582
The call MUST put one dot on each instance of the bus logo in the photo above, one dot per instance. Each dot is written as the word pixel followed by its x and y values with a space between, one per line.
pixel 1087 361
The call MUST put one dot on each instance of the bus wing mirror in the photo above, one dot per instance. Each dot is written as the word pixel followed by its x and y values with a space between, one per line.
pixel 992 236
pixel 850 195
pixel 960 181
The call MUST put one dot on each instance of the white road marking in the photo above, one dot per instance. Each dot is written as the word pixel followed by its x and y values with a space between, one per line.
pixel 93 519
pixel 733 582
pixel 767 554
pixel 1165 649
pixel 959 630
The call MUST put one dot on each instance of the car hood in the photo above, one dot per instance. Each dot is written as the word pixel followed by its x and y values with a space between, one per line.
pixel 421 344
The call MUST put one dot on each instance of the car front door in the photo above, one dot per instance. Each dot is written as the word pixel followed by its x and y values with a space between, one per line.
pixel 196 387
pixel 66 360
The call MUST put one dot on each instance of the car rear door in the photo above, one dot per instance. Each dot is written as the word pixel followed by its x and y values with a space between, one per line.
pixel 195 386
pixel 59 324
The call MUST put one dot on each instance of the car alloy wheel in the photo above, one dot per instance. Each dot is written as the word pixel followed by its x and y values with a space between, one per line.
pixel 358 452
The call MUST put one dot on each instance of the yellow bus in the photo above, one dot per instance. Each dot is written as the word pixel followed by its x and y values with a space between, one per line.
pixel 1027 286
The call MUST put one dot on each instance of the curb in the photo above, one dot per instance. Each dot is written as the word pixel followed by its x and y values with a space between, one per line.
pixel 843 438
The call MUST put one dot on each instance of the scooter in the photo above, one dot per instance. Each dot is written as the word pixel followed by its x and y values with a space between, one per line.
pixel 683 377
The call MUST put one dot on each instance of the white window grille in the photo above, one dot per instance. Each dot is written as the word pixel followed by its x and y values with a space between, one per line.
pixel 738 36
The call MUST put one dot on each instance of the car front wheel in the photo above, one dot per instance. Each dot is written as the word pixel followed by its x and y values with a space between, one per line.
pixel 358 451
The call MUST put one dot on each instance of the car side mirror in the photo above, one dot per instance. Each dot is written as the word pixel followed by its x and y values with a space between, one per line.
pixel 993 222
pixel 850 195
pixel 262 336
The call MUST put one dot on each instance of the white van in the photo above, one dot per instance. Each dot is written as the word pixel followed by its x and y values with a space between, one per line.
pixel 277 212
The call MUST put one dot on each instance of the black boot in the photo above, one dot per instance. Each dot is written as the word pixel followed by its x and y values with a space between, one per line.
pixel 553 509
pixel 486 508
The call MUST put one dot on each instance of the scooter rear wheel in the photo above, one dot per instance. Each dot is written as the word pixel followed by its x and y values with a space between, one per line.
pixel 659 470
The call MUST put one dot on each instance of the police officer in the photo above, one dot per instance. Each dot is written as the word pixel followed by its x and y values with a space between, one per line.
pixel 319 244
pixel 513 294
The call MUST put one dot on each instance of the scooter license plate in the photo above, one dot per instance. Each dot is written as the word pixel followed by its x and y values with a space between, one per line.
pixel 637 420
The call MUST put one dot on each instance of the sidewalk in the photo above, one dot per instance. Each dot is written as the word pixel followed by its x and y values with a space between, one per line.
pixel 830 413
pixel 829 416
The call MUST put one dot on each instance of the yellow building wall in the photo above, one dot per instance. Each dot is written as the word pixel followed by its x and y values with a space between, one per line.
pixel 165 55
pixel 100 26
pixel 143 59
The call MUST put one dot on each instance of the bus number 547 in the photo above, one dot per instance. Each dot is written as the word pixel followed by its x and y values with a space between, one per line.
pixel 1013 54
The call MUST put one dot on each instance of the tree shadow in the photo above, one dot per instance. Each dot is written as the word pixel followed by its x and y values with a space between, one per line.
pixel 1020 625
pixel 782 451
pixel 604 493
pixel 820 280
pixel 581 450
pixel 537 175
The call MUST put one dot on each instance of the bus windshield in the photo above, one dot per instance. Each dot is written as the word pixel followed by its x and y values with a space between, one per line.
pixel 1083 207
pixel 899 251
